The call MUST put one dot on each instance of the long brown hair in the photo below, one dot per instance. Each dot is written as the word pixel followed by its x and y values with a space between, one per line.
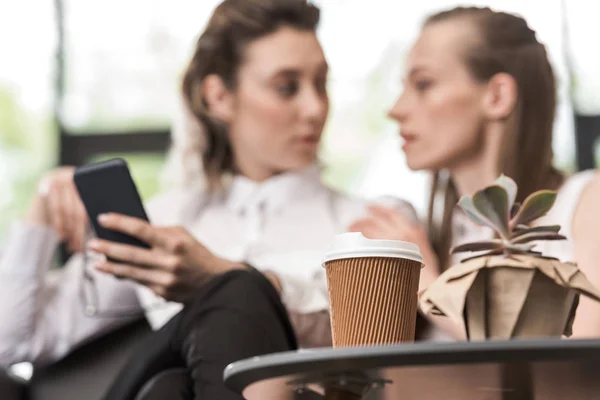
pixel 220 51
pixel 505 44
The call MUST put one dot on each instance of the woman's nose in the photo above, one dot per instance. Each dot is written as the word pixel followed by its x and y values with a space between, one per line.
pixel 315 105
pixel 399 109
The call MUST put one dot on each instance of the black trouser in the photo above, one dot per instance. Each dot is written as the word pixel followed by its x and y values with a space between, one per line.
pixel 235 316
pixel 10 389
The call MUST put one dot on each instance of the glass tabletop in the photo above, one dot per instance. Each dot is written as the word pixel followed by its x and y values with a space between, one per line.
pixel 523 369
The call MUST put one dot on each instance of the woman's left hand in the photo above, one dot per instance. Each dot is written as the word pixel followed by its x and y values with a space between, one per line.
pixel 174 267
pixel 390 224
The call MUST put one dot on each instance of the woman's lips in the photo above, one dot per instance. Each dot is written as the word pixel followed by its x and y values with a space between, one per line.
pixel 310 139
pixel 409 139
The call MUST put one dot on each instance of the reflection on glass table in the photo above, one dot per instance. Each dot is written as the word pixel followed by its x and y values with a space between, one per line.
pixel 503 370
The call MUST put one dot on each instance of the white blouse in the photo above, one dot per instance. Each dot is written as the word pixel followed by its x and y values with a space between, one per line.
pixel 282 225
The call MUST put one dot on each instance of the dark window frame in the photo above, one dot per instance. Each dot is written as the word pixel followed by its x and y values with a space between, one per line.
pixel 76 148
pixel 587 137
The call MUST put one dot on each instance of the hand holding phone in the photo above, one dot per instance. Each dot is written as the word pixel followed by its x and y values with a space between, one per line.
pixel 175 264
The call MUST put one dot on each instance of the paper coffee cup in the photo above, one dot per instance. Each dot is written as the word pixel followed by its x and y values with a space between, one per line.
pixel 373 288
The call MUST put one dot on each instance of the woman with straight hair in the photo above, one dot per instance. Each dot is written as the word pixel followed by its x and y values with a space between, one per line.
pixel 479 100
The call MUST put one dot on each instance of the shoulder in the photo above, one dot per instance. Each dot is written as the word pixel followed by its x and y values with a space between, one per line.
pixel 577 182
pixel 169 206
pixel 587 211
pixel 573 190
pixel 569 196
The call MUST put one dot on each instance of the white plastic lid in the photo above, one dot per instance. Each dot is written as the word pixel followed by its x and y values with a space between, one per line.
pixel 354 244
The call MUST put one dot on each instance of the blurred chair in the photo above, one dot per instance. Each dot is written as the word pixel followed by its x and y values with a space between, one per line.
pixel 86 373
pixel 11 389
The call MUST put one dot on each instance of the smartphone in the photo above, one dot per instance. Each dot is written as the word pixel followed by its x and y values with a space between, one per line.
pixel 106 187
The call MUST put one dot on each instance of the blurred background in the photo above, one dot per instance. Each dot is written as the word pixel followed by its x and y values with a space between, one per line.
pixel 89 79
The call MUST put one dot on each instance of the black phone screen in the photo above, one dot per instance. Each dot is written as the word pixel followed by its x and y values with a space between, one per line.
pixel 105 187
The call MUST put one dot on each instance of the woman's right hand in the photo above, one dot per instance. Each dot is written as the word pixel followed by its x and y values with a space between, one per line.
pixel 57 204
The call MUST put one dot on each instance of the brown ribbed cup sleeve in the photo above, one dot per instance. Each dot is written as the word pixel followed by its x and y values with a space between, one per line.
pixel 373 300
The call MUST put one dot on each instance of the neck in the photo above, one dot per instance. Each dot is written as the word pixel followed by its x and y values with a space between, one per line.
pixel 480 170
pixel 256 174
pixel 470 177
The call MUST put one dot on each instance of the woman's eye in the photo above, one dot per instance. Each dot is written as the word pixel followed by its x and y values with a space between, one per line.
pixel 422 85
pixel 288 89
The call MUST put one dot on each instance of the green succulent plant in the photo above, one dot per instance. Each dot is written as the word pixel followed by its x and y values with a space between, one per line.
pixel 495 207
